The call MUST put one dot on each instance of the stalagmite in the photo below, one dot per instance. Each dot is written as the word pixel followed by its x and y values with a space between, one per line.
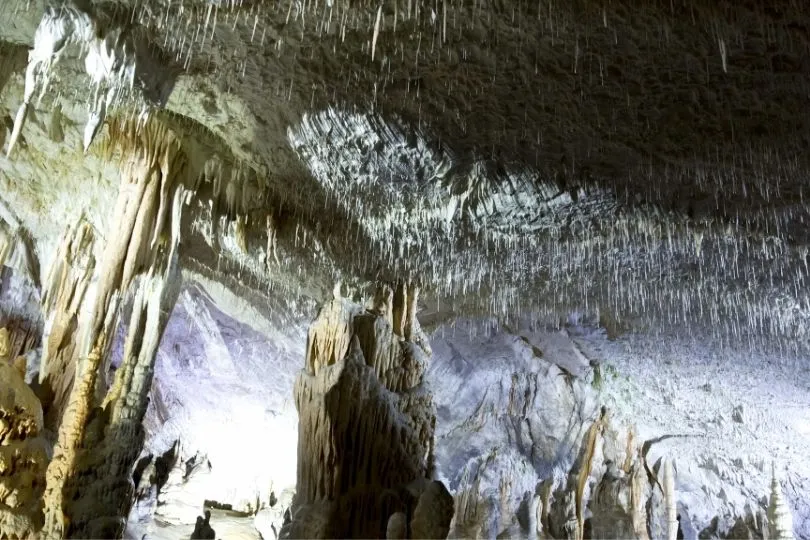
pixel 23 456
pixel 433 512
pixel 566 516
pixel 397 527
pixel 639 489
pixel 470 508
pixel 611 505
pixel 154 164
pixel 366 425
pixel 669 501
pixel 780 520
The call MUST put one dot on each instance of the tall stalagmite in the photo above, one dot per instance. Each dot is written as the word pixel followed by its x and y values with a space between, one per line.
pixel 366 424
pixel 92 432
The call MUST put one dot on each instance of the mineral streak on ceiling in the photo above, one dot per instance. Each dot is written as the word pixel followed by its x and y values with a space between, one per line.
pixel 646 159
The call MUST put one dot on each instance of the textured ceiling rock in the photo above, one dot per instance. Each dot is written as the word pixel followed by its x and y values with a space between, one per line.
pixel 664 141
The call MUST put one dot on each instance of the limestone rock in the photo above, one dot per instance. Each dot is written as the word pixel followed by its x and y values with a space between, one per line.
pixel 269 521
pixel 202 529
pixel 366 424
pixel 433 512
pixel 23 457
pixel 611 505
pixel 397 527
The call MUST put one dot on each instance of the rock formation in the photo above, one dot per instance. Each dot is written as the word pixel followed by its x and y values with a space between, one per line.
pixel 365 444
pixel 88 486
pixel 62 297
pixel 23 456
pixel 780 520
pixel 640 164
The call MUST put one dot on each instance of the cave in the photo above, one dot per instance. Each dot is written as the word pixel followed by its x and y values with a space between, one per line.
pixel 404 269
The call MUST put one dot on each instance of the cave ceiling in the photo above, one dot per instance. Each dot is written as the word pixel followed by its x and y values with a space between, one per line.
pixel 643 161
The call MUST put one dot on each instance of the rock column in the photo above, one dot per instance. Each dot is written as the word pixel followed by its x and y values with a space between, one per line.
pixel 62 297
pixel 92 434
pixel 366 424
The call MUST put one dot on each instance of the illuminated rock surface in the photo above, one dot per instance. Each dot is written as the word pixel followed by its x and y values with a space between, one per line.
pixel 603 206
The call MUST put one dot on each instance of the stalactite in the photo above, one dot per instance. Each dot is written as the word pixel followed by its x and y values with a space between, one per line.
pixel 16 251
pixel 62 297
pixel 102 483
pixel 365 428
pixel 153 163
pixel 240 232
pixel 123 66
pixel 272 241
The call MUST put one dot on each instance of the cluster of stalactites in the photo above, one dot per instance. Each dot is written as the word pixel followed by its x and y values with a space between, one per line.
pixel 63 294
pixel 143 237
pixel 101 484
pixel 120 62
